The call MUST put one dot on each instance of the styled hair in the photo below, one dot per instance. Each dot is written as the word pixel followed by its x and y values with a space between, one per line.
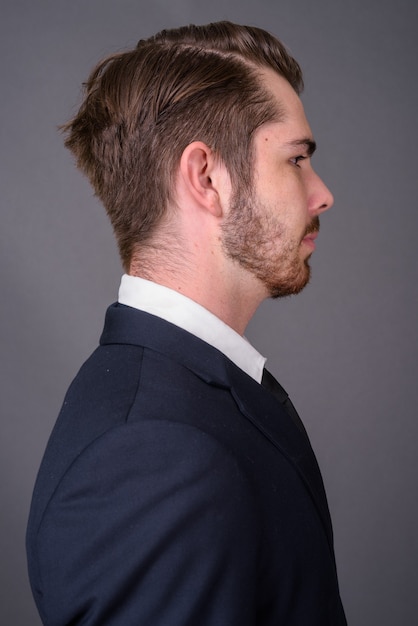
pixel 144 106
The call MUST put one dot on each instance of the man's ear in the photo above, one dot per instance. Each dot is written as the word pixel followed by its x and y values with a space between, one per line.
pixel 201 177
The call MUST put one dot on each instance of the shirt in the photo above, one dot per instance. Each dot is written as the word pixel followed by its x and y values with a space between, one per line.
pixel 180 310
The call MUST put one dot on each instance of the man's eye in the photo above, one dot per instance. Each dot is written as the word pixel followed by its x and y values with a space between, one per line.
pixel 296 160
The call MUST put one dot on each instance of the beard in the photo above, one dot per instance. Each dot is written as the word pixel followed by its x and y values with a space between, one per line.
pixel 255 237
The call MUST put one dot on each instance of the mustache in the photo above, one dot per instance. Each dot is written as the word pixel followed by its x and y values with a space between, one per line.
pixel 313 227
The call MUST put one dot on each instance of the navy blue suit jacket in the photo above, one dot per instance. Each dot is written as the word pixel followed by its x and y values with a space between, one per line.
pixel 176 491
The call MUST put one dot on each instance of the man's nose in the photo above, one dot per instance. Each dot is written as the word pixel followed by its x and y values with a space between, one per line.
pixel 321 199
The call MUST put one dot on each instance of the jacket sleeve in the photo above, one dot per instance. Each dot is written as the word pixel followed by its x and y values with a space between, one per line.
pixel 153 524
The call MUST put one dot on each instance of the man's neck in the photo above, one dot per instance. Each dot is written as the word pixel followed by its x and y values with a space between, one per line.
pixel 233 304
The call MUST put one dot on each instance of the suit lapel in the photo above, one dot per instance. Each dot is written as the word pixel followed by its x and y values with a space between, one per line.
pixel 269 417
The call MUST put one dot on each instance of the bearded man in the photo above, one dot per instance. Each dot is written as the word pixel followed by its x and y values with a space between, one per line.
pixel 179 486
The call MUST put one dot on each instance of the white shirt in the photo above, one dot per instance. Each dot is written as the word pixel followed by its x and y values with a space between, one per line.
pixel 183 312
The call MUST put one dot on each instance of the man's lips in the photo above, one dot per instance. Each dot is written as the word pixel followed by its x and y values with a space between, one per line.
pixel 311 233
pixel 310 238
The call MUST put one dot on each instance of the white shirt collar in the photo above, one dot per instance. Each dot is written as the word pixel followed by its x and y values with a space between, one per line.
pixel 183 312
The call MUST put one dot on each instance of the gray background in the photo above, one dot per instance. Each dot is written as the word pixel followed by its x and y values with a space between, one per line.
pixel 346 349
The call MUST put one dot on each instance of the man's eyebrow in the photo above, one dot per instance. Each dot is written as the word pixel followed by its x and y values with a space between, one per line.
pixel 309 144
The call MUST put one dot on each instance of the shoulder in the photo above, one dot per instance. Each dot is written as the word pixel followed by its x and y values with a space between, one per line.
pixel 148 455
pixel 148 502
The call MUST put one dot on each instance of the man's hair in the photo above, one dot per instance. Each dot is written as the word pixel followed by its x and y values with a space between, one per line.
pixel 144 106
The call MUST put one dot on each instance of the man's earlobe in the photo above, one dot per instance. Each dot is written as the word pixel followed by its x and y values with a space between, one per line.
pixel 197 168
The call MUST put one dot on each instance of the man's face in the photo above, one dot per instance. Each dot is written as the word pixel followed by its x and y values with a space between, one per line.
pixel 272 232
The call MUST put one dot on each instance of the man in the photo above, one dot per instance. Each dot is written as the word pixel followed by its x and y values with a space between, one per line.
pixel 179 486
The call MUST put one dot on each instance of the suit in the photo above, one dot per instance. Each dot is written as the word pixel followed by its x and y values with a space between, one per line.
pixel 175 490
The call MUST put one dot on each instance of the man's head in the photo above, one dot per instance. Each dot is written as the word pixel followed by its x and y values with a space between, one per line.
pixel 143 107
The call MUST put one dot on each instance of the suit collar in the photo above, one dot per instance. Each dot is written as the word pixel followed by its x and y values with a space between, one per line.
pixel 126 325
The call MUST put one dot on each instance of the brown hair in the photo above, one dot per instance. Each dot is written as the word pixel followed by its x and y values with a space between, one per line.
pixel 143 107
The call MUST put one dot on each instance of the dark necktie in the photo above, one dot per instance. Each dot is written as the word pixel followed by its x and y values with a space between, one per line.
pixel 269 382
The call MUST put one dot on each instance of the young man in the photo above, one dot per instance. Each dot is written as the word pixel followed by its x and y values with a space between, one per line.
pixel 179 486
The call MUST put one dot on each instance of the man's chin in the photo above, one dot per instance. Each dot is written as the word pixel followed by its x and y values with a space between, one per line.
pixel 291 286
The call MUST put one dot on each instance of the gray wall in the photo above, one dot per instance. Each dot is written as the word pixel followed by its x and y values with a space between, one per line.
pixel 346 348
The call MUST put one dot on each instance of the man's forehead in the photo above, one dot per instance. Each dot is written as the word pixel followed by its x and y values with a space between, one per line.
pixel 290 110
pixel 289 134
pixel 280 88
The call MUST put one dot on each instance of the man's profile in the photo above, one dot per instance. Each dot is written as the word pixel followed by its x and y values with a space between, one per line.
pixel 179 486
